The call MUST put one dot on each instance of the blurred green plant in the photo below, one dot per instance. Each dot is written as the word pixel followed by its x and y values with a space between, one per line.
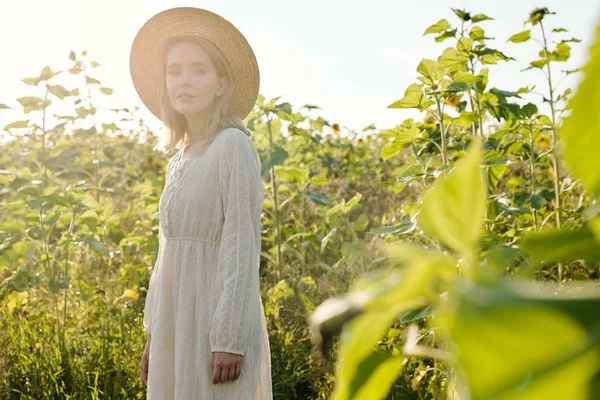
pixel 465 189
pixel 499 338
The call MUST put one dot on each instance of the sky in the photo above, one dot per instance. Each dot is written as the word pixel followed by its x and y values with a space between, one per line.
pixel 350 58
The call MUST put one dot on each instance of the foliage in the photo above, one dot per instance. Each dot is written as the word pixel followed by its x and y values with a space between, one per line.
pixel 415 253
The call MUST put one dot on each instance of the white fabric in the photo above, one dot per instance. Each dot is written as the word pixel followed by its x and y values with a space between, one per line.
pixel 203 294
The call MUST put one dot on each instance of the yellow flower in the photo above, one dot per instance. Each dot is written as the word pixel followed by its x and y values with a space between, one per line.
pixel 429 120
pixel 543 140
pixel 361 141
pixel 453 100
pixel 336 129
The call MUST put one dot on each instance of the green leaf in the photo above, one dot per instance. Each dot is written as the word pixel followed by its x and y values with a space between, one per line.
pixel 489 59
pixel 534 200
pixel 32 103
pixel 326 239
pixel 352 250
pixel 418 313
pixel 353 202
pixel 536 64
pixel 528 110
pixel 520 37
pixel 130 294
pixel 521 341
pixel 400 229
pixel 89 218
pixel 317 198
pixel 372 305
pixel 375 376
pixel 545 120
pixel 402 136
pixel 466 77
pixel 464 44
pixel 438 27
pixel 361 223
pixel 291 173
pixel 450 33
pixel 457 87
pixel 14 225
pixel 56 286
pixel 453 209
pixel 431 70
pixel 17 124
pixel 562 245
pixel 92 81
pixel 480 17
pixel 320 179
pixel 60 91
pixel 47 73
pixel 477 33
pixel 277 157
pixel 562 53
pixel 580 129
pixel 33 81
pixel 83 112
pixel 413 98
pixel 449 60
pixel 465 119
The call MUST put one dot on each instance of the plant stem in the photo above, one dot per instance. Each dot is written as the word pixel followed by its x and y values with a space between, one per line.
pixel 276 205
pixel 553 158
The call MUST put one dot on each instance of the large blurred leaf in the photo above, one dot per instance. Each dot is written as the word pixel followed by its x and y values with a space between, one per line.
pixel 519 340
pixel 580 129
pixel 563 245
pixel 453 209
pixel 375 376
pixel 370 308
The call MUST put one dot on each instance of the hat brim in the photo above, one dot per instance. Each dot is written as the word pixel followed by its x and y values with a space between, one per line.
pixel 144 59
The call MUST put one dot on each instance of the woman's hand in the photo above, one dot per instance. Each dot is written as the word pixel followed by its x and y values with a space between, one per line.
pixel 144 362
pixel 225 366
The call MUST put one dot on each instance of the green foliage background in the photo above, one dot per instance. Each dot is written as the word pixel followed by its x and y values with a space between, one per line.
pixel 444 251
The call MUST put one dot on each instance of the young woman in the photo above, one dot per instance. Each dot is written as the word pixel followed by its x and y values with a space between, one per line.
pixel 207 336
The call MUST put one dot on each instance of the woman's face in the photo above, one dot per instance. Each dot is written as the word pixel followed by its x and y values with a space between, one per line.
pixel 192 79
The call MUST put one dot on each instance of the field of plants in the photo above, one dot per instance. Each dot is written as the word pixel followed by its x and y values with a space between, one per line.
pixel 452 257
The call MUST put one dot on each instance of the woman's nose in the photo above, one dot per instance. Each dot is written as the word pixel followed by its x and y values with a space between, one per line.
pixel 184 78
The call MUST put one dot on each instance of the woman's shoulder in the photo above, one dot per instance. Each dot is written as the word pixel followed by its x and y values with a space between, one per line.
pixel 236 141
pixel 235 132
pixel 173 157
pixel 233 137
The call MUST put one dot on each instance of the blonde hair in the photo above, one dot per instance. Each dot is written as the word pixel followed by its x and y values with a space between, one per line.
pixel 177 133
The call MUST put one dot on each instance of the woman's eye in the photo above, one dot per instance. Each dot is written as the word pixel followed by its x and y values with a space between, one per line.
pixel 199 71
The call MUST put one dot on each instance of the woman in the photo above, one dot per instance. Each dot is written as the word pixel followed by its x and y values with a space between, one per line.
pixel 207 336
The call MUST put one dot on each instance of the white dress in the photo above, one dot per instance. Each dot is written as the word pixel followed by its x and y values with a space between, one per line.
pixel 203 294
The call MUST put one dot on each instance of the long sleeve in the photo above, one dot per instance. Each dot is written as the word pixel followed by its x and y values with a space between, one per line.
pixel 149 306
pixel 235 320
pixel 147 320
pixel 150 294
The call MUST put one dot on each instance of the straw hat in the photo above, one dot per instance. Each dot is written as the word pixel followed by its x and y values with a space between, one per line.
pixel 146 72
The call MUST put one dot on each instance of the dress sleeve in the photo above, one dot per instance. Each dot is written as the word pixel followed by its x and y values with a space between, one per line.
pixel 237 312
pixel 147 321
pixel 148 306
